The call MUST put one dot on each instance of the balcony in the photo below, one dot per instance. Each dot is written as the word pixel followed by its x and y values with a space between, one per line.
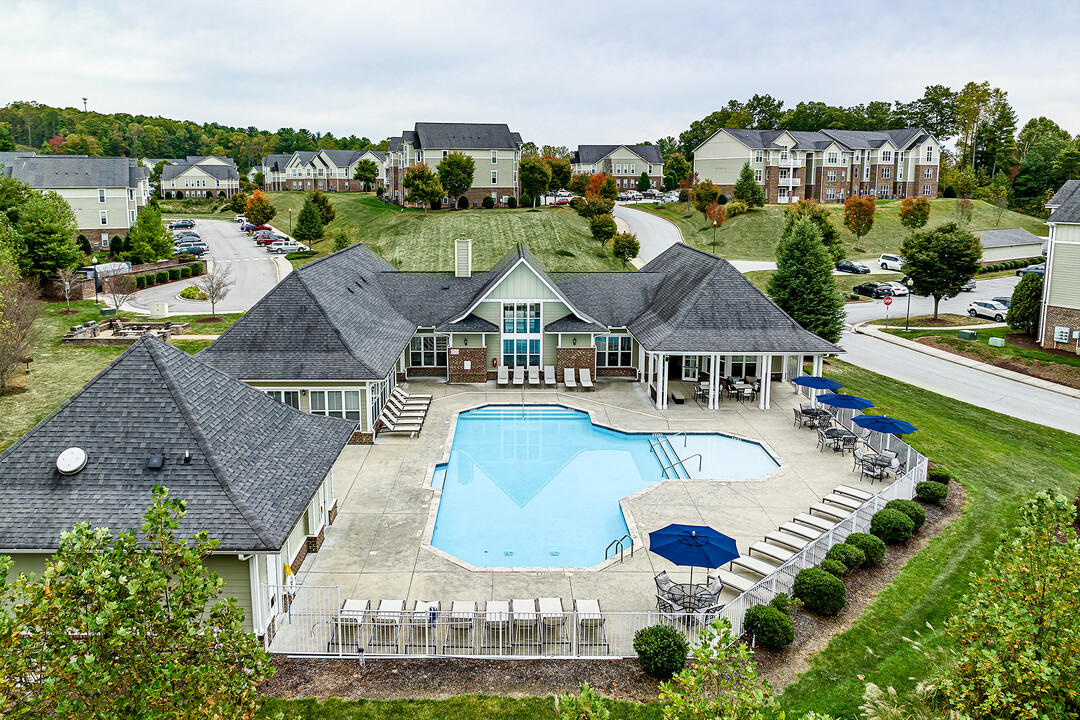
pixel 789 181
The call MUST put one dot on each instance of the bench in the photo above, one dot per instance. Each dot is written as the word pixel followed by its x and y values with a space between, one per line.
pixel 678 397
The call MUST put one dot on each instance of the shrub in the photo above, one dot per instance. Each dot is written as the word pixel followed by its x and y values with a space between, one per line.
pixel 525 200
pixel 820 591
pixel 603 228
pixel 872 546
pixel 174 274
pixel 300 255
pixel 196 268
pixel 735 207
pixel 488 202
pixel 891 525
pixel 463 203
pixel 576 203
pixel 179 194
pixel 722 200
pixel 950 192
pixel 511 202
pixel 168 194
pixel 851 556
pixel 910 508
pixel 661 650
pixel 379 191
pixel 833 567
pixel 782 602
pixel 770 627
pixel 192 293
pixel 185 272
pixel 436 204
pixel 162 276
pixel 140 282
pixel 932 492
pixel 151 280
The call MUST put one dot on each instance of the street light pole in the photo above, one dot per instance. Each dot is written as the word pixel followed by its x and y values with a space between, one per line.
pixel 94 260
pixel 290 222
pixel 714 237
pixel 907 320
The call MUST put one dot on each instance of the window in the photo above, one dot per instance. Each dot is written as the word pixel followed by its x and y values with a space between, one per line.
pixel 494 156
pixel 928 174
pixel 830 193
pixel 833 158
pixel 521 320
pixel 494 177
pixel 650 169
pixel 289 397
pixel 782 193
pixel 900 173
pixel 739 366
pixel 104 240
pixel 757 175
pixel 614 351
pixel 899 156
pixel 336 403
pixel 886 173
pixel 925 189
pixel 883 190
pixel 858 156
pixel 759 156
pixel 427 351
pixel 929 153
pixel 103 215
pixel 101 196
pixel 131 194
pixel 830 176
pixel 866 173
pixel 632 170
pixel 445 153
pixel 886 156
pixel 783 155
pixel 131 216
pixel 419 156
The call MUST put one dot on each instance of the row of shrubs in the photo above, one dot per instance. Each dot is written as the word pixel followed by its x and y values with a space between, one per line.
pixel 1010 265
pixel 194 194
pixel 171 275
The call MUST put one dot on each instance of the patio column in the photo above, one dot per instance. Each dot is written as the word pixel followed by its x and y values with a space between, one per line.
pixel 765 395
pixel 641 363
pixel 662 382
pixel 784 369
pixel 650 365
pixel 817 373
pixel 714 381
pixel 763 360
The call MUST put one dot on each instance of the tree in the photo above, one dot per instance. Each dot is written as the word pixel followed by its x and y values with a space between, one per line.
pixel 747 189
pixel 603 228
pixel 644 183
pixel 560 171
pixel 940 261
pixel 963 209
pixel 716 215
pixel 259 210
pixel 6 143
pixel 1026 305
pixel 803 284
pixel 67 282
pixel 456 173
pixel 341 241
pixel 1014 649
pixel 322 204
pixel 914 213
pixel 720 681
pixel 535 177
pixel 45 235
pixel 127 627
pixel 676 168
pixel 119 289
pixel 830 236
pixel 309 226
pixel 608 189
pixel 596 181
pixel 366 172
pixel 972 106
pixel 19 310
pixel 859 216
pixel 705 194
pixel 13 193
pixel 529 150
pixel 626 247
pixel 422 185
pixel 216 283
pixel 148 239
pixel 238 202
pixel 579 183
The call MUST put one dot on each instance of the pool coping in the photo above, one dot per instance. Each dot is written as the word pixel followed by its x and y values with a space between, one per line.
pixel 624 503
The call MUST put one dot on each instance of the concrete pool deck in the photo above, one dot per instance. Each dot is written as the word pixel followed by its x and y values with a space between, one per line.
pixel 375 548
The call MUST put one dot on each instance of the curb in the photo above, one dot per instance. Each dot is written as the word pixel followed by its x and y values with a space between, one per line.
pixel 282 267
pixel 878 332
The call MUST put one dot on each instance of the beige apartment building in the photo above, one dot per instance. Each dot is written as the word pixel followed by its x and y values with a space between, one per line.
pixel 623 162
pixel 1060 322
pixel 494 148
pixel 200 176
pixel 326 170
pixel 826 166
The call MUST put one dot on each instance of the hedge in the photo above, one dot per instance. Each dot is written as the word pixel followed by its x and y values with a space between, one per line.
pixel 488 202
pixel 938 475
pixel 196 268
pixel 162 276
pixel 140 282
pixel 891 525
pixel 150 279
pixel 910 508
pixel 511 202
pixel 174 274
pixel 820 592
pixel 185 272
pixel 833 567
pixel 871 545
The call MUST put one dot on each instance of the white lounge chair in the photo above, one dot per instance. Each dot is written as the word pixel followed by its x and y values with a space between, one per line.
pixel 503 377
pixel 776 537
pixel 772 552
pixel 411 396
pixel 842 501
pixel 794 528
pixel 403 401
pixel 392 418
pixel 814 522
pixel 553 618
pixel 830 511
pixel 730 579
pixel 460 625
pixel 389 426
pixel 423 626
pixel 586 380
pixel 568 378
pixel 519 376
pixel 851 492
pixel 525 623
pixel 590 620
pixel 496 625
pixel 385 623
pixel 405 411
pixel 534 376
pixel 549 376
pixel 758 567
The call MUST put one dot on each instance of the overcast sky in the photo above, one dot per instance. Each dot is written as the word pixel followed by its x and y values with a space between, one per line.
pixel 564 73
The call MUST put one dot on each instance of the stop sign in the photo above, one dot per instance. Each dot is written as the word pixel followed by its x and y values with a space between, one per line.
pixel 887 300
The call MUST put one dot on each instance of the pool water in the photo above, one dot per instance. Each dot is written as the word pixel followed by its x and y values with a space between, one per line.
pixel 540 486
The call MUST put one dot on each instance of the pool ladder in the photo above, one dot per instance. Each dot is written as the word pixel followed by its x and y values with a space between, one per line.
pixel 616 546
pixel 667 462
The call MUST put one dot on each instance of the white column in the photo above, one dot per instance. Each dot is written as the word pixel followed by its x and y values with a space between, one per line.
pixel 665 361
pixel 766 387
pixel 764 370
pixel 640 362
pixel 817 373
pixel 258 621
pixel 650 372
pixel 714 382
pixel 784 369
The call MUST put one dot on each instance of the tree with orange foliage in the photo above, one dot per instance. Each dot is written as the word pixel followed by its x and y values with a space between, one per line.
pixel 716 214
pixel 859 216
pixel 596 181
pixel 259 210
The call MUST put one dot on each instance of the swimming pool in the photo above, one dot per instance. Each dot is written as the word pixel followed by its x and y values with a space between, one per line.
pixel 540 486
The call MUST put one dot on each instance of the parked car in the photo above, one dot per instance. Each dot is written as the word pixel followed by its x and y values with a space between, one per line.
pixel 622 197
pixel 562 200
pixel 851 266
pixel 195 250
pixel 899 289
pixel 1006 301
pixel 651 193
pixel 260 233
pixel 189 243
pixel 287 246
pixel 564 193
pixel 240 219
pixel 181 224
pixel 873 290
pixel 186 234
pixel 969 286
pixel 889 261
pixel 988 309
pixel 270 239
pixel 1039 270
pixel 248 227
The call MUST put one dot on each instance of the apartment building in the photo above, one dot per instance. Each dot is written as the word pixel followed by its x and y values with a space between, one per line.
pixel 495 149
pixel 826 166
pixel 1059 324
pixel 200 176
pixel 623 162
pixel 106 193
pixel 326 170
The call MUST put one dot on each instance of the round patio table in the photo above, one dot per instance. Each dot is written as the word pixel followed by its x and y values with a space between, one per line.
pixel 693 597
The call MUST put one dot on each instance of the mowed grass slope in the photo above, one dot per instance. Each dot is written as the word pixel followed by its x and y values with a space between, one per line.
pixel 753 235
pixel 415 240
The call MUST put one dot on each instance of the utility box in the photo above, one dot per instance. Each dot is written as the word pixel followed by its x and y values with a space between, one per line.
pixel 967 334
pixel 108 312
pixel 159 309
pixel 997 342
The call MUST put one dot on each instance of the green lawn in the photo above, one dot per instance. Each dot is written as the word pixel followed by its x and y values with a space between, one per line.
pixel 753 235
pixel 464 707
pixel 1001 461
pixel 983 347
pixel 415 240
pixel 844 283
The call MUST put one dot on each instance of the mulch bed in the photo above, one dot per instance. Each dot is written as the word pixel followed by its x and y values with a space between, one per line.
pixel 619 679
pixel 1067 375
pixel 68 312
pixel 210 319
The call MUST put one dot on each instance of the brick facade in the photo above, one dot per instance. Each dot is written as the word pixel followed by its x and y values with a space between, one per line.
pixel 332 515
pixel 575 357
pixel 476 195
pixel 476 356
pixel 53 289
pixel 93 234
pixel 314 542
pixel 433 372
pixel 621 372
pixel 299 559
pixel 1057 316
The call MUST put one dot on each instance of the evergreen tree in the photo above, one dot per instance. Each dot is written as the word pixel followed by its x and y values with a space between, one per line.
pixel 608 189
pixel 322 204
pixel 830 236
pixel 1026 304
pixel 803 284
pixel 643 182
pixel 309 226
pixel 747 189
pixel 149 239
pixel 603 228
pixel 45 235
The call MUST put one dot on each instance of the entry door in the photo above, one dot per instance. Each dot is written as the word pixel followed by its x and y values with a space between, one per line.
pixel 690 368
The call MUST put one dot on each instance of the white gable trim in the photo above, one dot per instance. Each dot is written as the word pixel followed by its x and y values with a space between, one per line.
pixel 554 290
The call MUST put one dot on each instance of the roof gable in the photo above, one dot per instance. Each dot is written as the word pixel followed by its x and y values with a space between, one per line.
pixel 466 136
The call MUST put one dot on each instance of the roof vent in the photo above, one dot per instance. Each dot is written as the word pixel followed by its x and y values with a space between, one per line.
pixel 463 257
pixel 187 457
pixel 71 461
pixel 156 462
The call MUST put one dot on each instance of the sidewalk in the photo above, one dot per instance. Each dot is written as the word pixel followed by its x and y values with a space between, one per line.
pixel 877 331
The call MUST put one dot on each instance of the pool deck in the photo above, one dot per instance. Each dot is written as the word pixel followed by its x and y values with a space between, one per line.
pixel 375 547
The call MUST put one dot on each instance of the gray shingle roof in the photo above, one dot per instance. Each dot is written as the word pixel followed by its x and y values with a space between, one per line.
pixel 343 158
pixel 571 324
pixel 1007 237
pixel 589 154
pixel 466 136
pixel 73 171
pixel 471 324
pixel 196 159
pixel 220 172
pixel 255 462
pixel 1066 204
pixel 612 298
pixel 276 162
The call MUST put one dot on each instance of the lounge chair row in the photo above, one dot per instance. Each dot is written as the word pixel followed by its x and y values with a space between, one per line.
pixel 404 413
pixel 584 378
pixel 520 626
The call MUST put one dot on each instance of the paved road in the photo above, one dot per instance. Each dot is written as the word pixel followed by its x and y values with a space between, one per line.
pixel 252 268
pixel 654 234
pixel 984 290
pixel 962 383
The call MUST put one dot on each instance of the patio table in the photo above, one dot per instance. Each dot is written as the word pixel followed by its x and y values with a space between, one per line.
pixel 693 597
pixel 817 412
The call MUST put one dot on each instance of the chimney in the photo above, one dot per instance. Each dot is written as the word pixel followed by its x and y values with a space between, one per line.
pixel 463 257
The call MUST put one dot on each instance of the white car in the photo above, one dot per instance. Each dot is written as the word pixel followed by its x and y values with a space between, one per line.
pixel 889 261
pixel 240 219
pixel 899 289
pixel 988 309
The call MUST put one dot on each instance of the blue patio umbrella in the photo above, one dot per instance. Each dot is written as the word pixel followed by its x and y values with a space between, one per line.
pixel 817 383
pixel 850 402
pixel 693 546
pixel 885 424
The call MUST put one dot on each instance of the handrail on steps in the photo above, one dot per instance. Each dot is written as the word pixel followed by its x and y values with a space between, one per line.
pixel 618 545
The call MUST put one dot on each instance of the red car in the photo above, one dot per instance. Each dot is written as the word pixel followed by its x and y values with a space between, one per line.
pixel 252 228
pixel 269 239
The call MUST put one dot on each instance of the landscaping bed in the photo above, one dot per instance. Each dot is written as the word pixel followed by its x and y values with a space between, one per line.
pixel 1062 373
pixel 942 320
